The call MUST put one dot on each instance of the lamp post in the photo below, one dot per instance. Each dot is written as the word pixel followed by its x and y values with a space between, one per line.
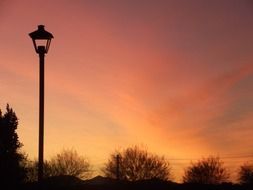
pixel 41 41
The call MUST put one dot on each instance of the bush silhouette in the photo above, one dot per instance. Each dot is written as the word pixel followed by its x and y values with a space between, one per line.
pixel 246 174
pixel 66 163
pixel 206 171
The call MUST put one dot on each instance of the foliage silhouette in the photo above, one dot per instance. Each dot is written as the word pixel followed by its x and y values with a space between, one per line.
pixel 135 164
pixel 246 174
pixel 32 170
pixel 67 162
pixel 12 170
pixel 206 171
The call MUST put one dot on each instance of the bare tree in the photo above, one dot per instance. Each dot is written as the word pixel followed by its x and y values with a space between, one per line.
pixel 246 174
pixel 135 164
pixel 67 162
pixel 206 171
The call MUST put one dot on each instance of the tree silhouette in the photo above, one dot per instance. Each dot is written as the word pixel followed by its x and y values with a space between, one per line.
pixel 206 171
pixel 135 164
pixel 67 162
pixel 246 174
pixel 12 171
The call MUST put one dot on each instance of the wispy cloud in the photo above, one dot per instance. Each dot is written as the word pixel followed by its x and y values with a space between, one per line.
pixel 202 112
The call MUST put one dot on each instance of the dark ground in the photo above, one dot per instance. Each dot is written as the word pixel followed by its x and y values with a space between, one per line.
pixel 101 183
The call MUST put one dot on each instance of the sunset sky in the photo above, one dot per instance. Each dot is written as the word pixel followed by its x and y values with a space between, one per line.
pixel 175 76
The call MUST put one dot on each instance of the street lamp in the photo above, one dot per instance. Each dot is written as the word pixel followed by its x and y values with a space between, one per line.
pixel 41 41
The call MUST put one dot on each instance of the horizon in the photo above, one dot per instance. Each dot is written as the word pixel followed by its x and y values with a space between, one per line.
pixel 175 77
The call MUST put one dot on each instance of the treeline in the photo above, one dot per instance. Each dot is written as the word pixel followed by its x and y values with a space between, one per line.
pixel 131 164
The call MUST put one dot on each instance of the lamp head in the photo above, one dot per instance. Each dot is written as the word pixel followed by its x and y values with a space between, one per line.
pixel 41 39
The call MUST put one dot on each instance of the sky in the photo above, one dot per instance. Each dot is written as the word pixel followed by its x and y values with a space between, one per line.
pixel 174 76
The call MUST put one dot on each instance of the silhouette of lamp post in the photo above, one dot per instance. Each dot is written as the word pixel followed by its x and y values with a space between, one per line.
pixel 41 41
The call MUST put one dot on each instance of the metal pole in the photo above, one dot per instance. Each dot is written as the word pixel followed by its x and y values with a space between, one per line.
pixel 41 115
